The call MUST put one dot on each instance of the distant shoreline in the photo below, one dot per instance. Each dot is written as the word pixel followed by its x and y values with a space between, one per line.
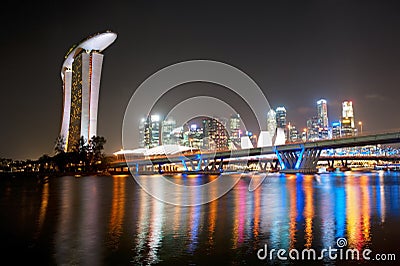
pixel 47 175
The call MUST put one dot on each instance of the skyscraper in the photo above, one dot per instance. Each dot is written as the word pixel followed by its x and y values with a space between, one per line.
pixel 144 133
pixel 215 134
pixel 81 73
pixel 150 132
pixel 166 131
pixel 271 122
pixel 281 120
pixel 322 113
pixel 281 117
pixel 347 111
pixel 234 130
pixel 347 121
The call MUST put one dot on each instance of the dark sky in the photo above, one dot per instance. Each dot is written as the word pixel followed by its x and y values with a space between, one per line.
pixel 297 52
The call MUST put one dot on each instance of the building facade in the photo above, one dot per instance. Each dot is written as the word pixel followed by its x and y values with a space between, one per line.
pixel 347 120
pixel 271 122
pixel 81 75
pixel 235 130
pixel 322 113
pixel 215 134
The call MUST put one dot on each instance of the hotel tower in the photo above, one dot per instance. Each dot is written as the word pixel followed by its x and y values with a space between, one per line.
pixel 80 74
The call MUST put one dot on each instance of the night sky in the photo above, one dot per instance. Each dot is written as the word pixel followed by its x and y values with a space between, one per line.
pixel 296 51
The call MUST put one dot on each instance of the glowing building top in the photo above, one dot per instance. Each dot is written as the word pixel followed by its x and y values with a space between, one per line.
pixel 97 42
pixel 347 109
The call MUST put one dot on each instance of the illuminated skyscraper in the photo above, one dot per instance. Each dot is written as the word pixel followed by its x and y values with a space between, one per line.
pixel 150 131
pixel 281 120
pixel 215 134
pixel 144 133
pixel 81 73
pixel 271 122
pixel 322 113
pixel 281 117
pixel 336 129
pixel 347 111
pixel 234 130
pixel 166 131
pixel 347 121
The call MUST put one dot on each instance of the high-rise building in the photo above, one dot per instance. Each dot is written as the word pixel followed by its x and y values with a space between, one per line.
pixel 293 133
pixel 281 120
pixel 347 121
pixel 143 127
pixel 322 113
pixel 215 134
pixel 347 111
pixel 312 128
pixel 234 130
pixel 336 129
pixel 150 132
pixel 195 136
pixel 167 128
pixel 81 73
pixel 145 133
pixel 271 122
pixel 281 117
pixel 155 129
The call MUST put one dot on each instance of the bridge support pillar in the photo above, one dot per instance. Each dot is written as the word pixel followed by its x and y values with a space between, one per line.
pixel 301 160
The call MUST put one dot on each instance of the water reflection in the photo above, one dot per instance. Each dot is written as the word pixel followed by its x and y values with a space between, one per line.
pixel 117 212
pixel 239 214
pixel 90 218
pixel 291 187
pixel 365 210
pixel 308 209
pixel 43 208
pixel 327 210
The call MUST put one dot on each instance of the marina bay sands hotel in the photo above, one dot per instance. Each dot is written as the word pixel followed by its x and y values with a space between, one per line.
pixel 80 74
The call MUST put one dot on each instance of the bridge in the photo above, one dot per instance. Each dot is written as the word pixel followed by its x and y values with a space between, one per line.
pixel 301 157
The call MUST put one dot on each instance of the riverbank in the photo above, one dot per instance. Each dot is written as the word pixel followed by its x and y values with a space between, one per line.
pixel 51 174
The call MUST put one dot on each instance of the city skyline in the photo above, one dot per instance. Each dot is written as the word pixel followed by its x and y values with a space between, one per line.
pixel 296 52
pixel 158 129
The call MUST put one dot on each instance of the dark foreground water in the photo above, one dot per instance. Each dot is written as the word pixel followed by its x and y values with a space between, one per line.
pixel 112 221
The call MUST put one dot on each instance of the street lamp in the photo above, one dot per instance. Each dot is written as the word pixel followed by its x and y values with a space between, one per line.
pixel 360 124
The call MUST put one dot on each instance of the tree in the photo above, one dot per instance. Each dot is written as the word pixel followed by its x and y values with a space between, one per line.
pixel 96 146
pixel 44 162
pixel 59 144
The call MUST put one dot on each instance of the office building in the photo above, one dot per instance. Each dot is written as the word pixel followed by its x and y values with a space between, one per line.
pixel 215 134
pixel 271 122
pixel 280 117
pixel 235 130
pixel 167 128
pixel 322 113
pixel 347 120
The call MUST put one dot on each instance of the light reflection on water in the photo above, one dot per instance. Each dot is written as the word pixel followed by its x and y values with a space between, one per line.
pixel 110 220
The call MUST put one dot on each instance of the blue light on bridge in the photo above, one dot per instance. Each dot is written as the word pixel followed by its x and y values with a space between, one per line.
pixel 184 164
pixel 199 158
pixel 297 166
pixel 280 160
